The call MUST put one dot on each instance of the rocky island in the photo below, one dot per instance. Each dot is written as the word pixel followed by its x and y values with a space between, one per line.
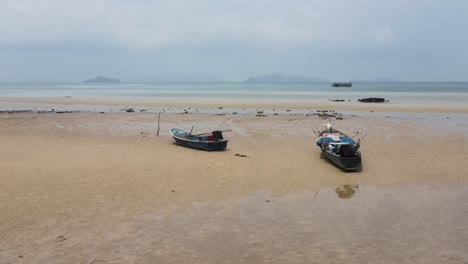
pixel 102 79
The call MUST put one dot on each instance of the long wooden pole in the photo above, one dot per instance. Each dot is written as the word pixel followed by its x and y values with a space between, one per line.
pixel 159 117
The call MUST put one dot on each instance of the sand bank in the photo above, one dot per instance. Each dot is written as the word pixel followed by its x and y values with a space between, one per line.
pixel 284 104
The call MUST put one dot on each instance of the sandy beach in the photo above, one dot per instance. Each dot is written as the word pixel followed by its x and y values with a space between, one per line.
pixel 92 187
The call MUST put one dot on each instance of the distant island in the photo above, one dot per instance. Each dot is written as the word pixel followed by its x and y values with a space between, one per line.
pixel 102 79
pixel 283 78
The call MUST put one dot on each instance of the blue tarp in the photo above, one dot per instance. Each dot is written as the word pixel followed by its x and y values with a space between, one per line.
pixel 329 139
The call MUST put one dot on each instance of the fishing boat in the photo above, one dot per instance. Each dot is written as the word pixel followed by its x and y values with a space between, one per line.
pixel 205 141
pixel 340 148
pixel 372 100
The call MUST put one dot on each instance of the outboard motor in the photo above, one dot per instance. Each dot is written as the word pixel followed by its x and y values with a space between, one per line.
pixel 217 135
pixel 347 151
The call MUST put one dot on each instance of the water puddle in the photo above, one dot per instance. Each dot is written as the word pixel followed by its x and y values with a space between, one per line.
pixel 346 191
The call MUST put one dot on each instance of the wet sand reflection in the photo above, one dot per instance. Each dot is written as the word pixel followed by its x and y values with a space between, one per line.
pixel 346 191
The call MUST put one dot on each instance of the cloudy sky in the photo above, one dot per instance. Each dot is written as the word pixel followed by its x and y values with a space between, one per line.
pixel 144 40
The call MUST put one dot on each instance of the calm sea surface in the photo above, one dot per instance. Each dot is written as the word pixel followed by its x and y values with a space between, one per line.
pixel 456 92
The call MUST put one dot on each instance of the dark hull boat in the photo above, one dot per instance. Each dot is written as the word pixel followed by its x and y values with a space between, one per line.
pixel 372 100
pixel 206 141
pixel 339 149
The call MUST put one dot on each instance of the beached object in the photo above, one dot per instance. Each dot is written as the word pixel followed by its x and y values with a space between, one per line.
pixel 372 100
pixel 339 148
pixel 241 155
pixel 204 141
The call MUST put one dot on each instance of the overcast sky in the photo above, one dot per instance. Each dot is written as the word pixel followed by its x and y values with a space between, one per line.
pixel 137 40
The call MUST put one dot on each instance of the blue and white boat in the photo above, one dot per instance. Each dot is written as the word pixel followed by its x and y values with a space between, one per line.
pixel 339 148
pixel 205 141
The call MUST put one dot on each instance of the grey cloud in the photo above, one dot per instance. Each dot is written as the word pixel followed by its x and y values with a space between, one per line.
pixel 234 39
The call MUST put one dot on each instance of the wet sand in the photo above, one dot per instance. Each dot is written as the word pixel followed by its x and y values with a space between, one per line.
pixel 278 104
pixel 102 188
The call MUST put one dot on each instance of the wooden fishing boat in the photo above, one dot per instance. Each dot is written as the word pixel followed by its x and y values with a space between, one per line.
pixel 205 141
pixel 339 148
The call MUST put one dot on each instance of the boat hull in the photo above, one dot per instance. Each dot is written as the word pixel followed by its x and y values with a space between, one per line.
pixel 346 163
pixel 208 146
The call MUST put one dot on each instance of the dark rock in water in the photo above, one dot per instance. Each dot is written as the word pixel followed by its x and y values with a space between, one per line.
pixel 372 100
pixel 129 110
pixel 337 100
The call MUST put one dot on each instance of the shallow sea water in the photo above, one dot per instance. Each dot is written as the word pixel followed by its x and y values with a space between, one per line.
pixel 408 92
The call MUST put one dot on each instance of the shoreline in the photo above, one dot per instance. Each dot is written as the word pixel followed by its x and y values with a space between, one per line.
pixel 239 104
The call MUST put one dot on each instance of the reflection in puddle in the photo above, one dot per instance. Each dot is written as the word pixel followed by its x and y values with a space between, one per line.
pixel 346 191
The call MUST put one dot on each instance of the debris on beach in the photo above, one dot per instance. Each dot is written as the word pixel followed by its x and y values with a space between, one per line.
pixel 241 155
pixel 14 111
pixel 261 115
pixel 128 110
pixel 325 114
pixel 60 239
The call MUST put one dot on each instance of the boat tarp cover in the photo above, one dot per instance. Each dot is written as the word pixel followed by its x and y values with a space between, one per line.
pixel 330 139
